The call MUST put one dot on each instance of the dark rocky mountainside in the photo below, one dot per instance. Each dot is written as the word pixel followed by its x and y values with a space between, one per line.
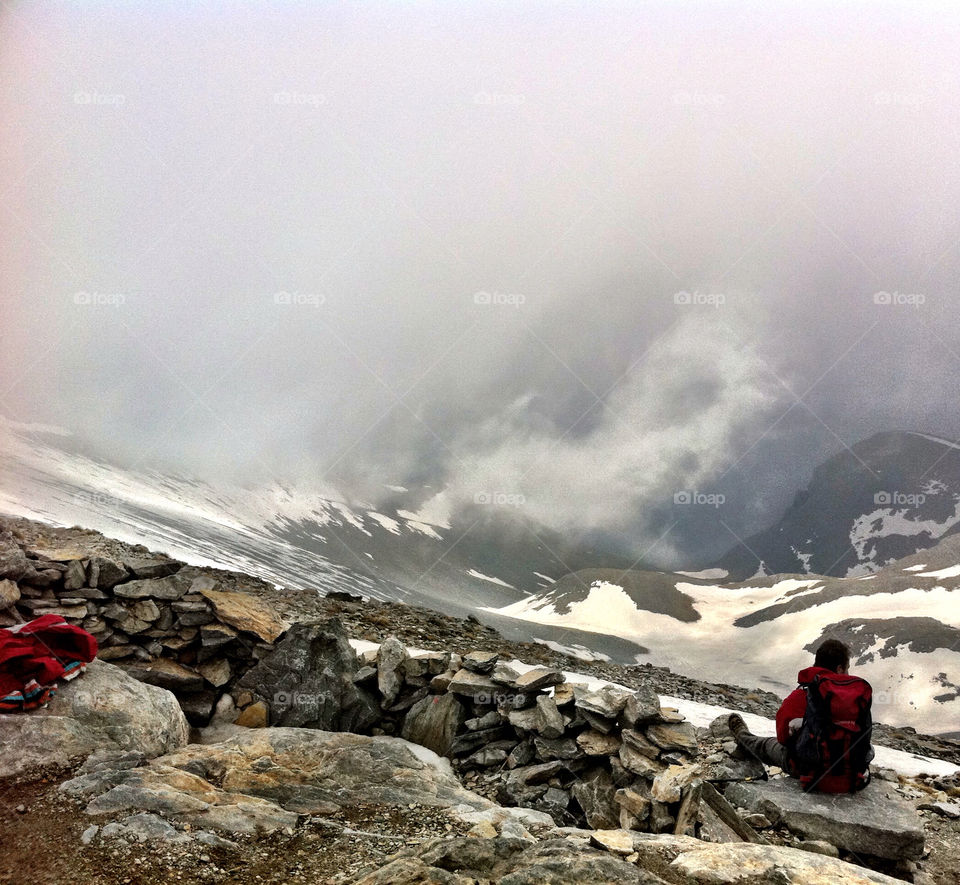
pixel 883 499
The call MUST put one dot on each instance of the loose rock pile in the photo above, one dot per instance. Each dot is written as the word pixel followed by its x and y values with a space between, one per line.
pixel 165 623
pixel 604 759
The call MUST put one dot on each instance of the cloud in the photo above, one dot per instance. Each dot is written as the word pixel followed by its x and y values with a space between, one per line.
pixel 247 243
pixel 672 423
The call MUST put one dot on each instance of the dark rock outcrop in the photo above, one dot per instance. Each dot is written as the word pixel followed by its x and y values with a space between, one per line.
pixel 308 681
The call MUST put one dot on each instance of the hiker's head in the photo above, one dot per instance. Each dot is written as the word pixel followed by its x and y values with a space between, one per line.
pixel 833 655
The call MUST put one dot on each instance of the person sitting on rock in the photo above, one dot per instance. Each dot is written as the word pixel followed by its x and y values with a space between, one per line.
pixel 824 726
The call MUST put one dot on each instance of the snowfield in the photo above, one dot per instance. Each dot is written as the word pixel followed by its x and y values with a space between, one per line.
pixel 770 653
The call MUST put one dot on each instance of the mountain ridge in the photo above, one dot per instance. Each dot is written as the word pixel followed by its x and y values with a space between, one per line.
pixel 871 504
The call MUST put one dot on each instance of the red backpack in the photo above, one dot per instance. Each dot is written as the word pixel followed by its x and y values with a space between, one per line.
pixel 832 749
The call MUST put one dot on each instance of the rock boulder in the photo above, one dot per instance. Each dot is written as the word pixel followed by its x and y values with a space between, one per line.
pixel 434 721
pixel 308 681
pixel 261 780
pixel 14 564
pixel 874 821
pixel 734 864
pixel 105 708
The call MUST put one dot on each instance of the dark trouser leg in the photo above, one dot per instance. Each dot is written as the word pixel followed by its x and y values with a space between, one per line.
pixel 768 750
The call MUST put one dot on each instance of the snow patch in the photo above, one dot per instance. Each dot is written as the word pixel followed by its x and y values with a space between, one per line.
pixel 885 521
pixel 391 525
pixel 952 571
pixel 707 574
pixel 420 527
pixel 580 652
pixel 804 559
pixel 350 517
pixel 435 511
pixel 428 757
pixel 606 609
pixel 475 574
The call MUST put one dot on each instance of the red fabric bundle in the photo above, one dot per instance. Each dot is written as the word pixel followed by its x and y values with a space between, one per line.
pixel 41 651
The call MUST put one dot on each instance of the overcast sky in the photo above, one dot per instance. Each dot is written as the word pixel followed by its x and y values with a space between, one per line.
pixel 587 254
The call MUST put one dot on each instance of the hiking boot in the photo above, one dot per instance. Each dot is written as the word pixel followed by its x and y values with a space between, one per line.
pixel 738 728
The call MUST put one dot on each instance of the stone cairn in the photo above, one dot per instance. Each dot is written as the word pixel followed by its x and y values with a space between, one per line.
pixel 604 759
pixel 162 621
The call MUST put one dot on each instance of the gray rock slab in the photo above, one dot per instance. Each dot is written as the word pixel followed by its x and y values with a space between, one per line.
pixel 874 821
pixel 736 864
pixel 103 709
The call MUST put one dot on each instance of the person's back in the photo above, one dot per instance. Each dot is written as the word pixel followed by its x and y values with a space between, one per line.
pixel 824 726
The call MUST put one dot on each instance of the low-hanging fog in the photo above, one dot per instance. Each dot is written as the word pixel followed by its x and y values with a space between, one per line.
pixel 585 255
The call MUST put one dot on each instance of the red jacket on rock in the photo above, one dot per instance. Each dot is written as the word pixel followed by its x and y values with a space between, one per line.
pixel 34 656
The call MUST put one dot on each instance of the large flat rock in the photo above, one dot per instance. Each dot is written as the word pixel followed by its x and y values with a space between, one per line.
pixel 307 765
pixel 261 780
pixel 467 860
pixel 743 863
pixel 105 709
pixel 874 821
pixel 246 612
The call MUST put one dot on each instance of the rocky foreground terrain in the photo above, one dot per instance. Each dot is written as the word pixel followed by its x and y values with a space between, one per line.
pixel 468 765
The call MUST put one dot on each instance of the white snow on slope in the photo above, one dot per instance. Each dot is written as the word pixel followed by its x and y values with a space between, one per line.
pixel 420 527
pixel 391 525
pixel 350 517
pixel 51 484
pixel 601 612
pixel 886 521
pixel 223 527
pixel 24 427
pixel 580 652
pixel 915 568
pixel 707 574
pixel 804 558
pixel 475 574
pixel 952 571
pixel 608 608
pixel 434 511
pixel 770 653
